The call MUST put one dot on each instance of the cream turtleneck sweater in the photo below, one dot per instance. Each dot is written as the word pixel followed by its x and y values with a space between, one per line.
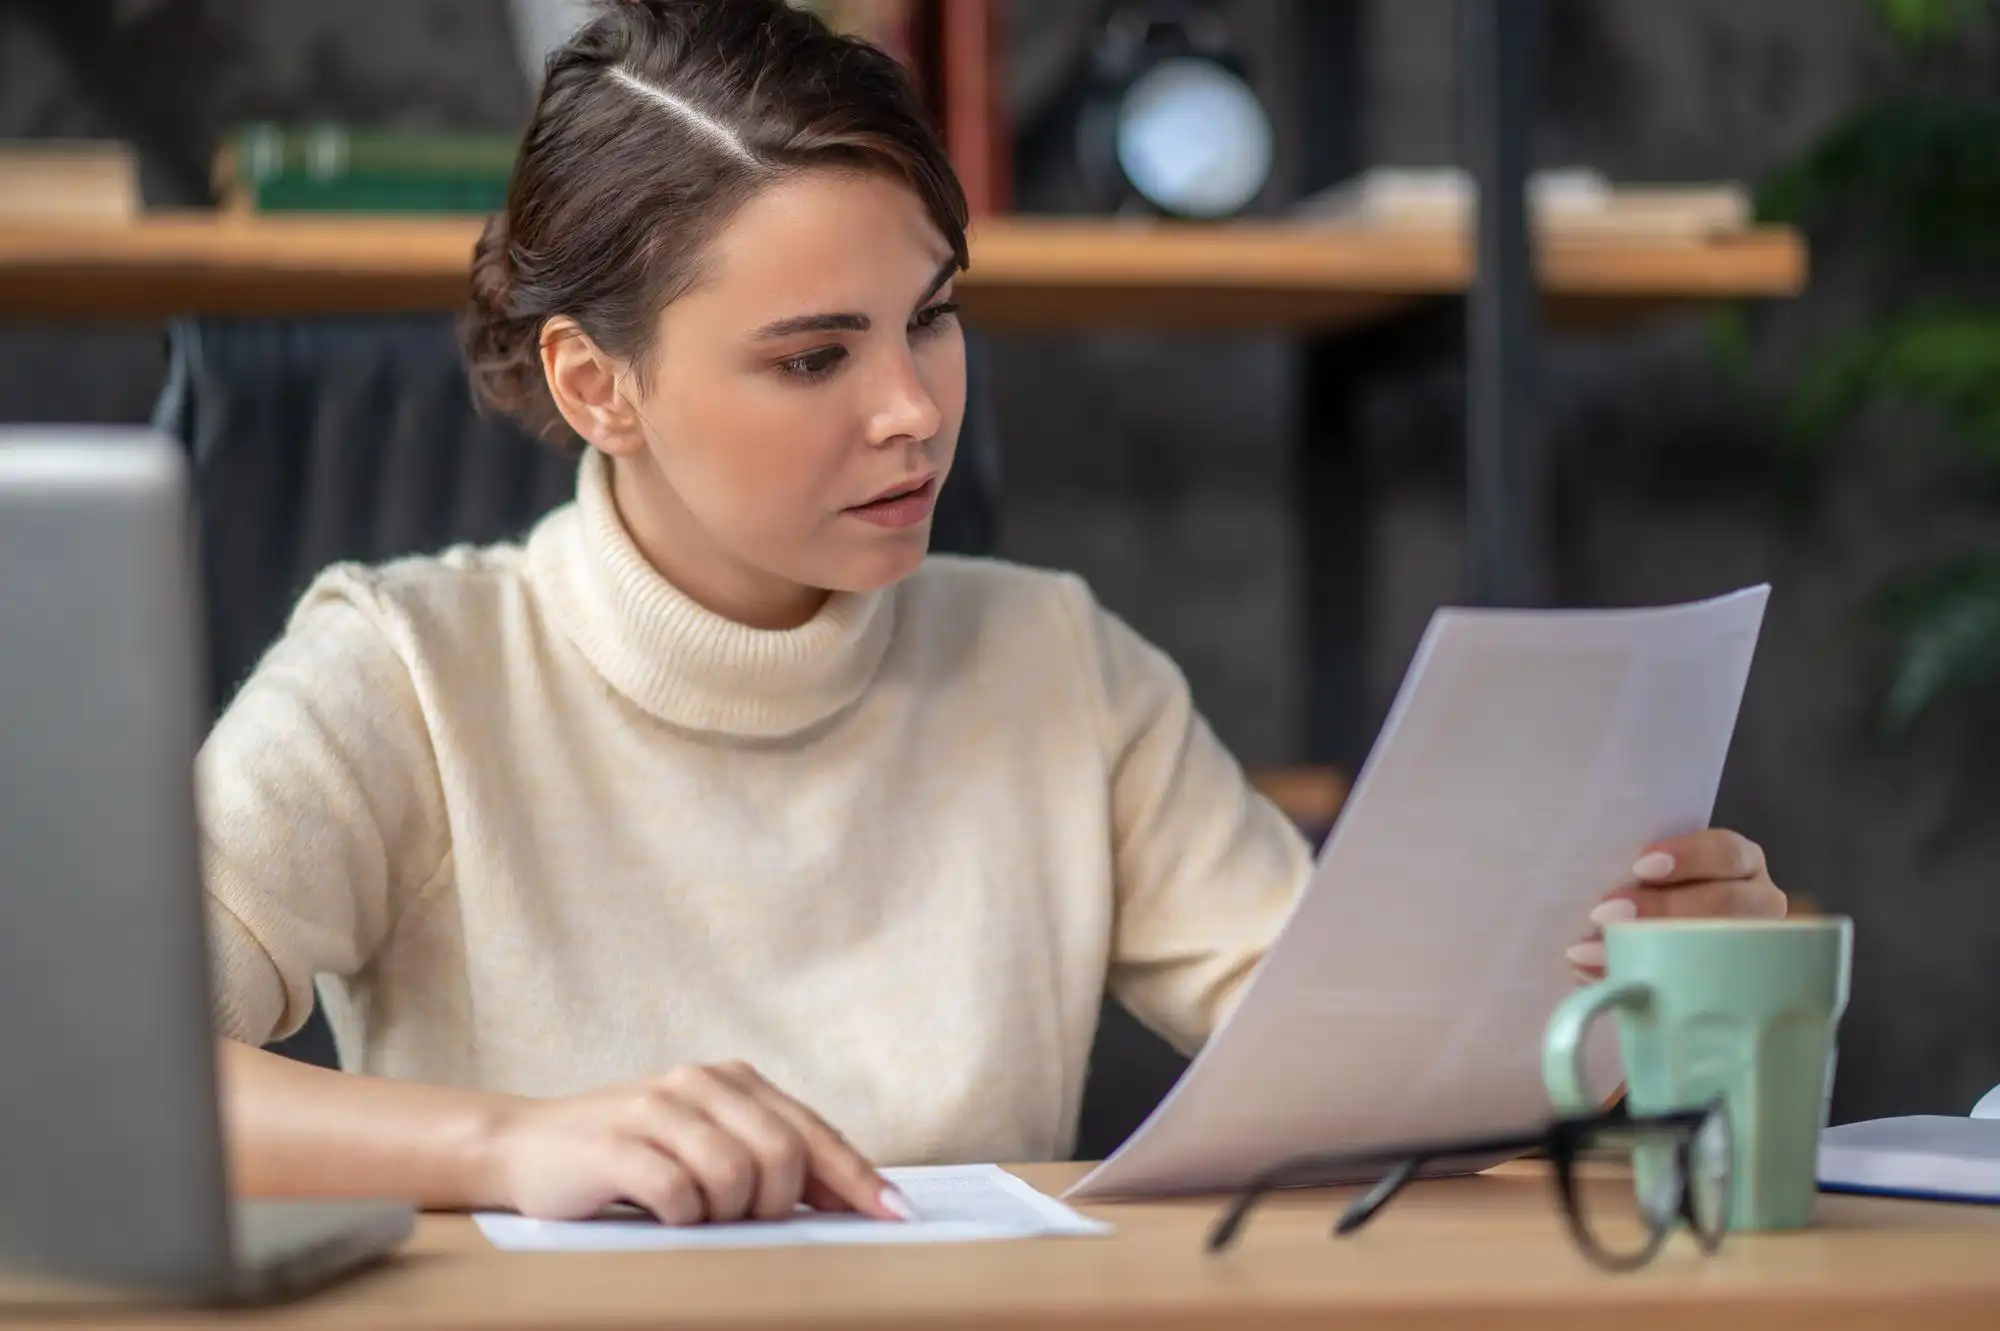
pixel 537 823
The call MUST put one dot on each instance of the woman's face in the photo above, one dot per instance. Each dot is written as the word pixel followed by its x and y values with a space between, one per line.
pixel 801 404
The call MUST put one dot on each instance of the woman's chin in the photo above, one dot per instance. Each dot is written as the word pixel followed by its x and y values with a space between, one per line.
pixel 885 565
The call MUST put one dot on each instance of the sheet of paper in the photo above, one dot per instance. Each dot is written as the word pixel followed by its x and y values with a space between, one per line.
pixel 954 1204
pixel 1528 757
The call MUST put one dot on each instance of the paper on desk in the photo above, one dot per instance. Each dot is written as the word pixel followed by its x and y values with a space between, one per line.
pixel 954 1204
pixel 1528 757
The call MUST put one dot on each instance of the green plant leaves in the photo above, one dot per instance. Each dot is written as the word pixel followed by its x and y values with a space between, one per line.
pixel 1944 361
pixel 1924 171
pixel 1914 181
pixel 1920 24
pixel 1946 627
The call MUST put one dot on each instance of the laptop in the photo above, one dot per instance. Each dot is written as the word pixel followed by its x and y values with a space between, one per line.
pixel 112 1168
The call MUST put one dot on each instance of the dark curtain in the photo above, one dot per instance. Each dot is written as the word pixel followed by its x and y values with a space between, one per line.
pixel 321 440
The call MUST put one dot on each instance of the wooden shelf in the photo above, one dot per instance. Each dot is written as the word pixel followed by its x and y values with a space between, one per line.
pixel 1310 796
pixel 1026 273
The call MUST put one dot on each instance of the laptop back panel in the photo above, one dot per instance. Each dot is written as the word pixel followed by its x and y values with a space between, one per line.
pixel 110 1152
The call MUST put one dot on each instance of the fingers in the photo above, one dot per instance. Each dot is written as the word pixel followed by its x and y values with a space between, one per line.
pixel 699 1143
pixel 1712 854
pixel 722 1167
pixel 1703 875
pixel 646 1178
pixel 1715 873
pixel 1586 960
pixel 777 1149
pixel 730 1146
pixel 837 1177
pixel 1741 899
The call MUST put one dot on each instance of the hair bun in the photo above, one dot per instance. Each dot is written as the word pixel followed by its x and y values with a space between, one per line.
pixel 492 265
pixel 502 349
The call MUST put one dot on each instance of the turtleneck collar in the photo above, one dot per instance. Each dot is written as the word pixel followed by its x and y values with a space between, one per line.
pixel 684 664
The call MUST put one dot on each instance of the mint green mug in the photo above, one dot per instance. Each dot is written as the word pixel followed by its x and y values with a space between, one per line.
pixel 1743 1010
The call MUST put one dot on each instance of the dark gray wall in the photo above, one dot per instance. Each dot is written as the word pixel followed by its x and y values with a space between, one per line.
pixel 1158 465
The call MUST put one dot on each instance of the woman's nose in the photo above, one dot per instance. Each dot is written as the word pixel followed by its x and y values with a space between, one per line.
pixel 908 409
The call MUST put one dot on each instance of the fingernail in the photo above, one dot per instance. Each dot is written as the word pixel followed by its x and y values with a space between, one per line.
pixel 1613 909
pixel 1589 955
pixel 896 1204
pixel 1654 866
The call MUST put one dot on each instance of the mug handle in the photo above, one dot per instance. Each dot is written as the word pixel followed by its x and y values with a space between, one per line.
pixel 1562 1044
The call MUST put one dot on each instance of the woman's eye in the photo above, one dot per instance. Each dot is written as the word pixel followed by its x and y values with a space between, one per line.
pixel 931 316
pixel 814 365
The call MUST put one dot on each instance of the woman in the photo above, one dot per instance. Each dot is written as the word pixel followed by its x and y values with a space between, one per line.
pixel 716 785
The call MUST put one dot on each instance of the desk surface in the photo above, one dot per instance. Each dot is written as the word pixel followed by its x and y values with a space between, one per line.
pixel 1487 1254
pixel 1026 272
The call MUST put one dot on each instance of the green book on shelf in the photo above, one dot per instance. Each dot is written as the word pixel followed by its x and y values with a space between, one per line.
pixel 375 194
pixel 270 167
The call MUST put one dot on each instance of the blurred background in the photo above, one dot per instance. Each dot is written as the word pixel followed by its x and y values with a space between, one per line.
pixel 1279 500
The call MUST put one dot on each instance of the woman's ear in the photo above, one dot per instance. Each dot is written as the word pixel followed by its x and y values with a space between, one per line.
pixel 583 380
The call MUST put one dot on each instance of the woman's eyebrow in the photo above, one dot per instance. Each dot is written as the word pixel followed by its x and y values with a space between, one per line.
pixel 843 323
pixel 945 273
pixel 812 323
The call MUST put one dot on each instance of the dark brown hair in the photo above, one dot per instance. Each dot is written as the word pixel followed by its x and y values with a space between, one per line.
pixel 655 123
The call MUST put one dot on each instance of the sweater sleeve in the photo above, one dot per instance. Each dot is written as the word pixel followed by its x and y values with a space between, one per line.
pixel 320 811
pixel 1206 867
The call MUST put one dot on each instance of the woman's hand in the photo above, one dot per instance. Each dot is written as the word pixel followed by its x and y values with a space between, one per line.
pixel 1711 873
pixel 697 1143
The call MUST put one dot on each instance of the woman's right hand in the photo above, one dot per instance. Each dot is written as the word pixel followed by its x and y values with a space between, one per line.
pixel 700 1142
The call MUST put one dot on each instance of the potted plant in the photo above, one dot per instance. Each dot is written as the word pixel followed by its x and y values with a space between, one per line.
pixel 1909 187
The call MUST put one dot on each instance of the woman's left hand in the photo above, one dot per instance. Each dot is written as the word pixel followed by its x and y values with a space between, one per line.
pixel 1711 873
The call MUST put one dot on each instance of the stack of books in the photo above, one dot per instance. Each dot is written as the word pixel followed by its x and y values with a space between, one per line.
pixel 1571 203
pixel 68 181
pixel 266 167
pixel 952 48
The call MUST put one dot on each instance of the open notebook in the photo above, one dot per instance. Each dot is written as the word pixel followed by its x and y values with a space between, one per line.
pixel 1930 1156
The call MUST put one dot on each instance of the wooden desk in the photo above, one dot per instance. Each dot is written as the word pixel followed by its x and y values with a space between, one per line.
pixel 1485 1254
pixel 1026 273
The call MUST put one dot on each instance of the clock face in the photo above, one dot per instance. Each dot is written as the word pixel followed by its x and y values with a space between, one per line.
pixel 1193 139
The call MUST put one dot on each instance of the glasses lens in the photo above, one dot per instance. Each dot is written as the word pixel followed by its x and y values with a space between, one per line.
pixel 1710 1160
pixel 1628 1194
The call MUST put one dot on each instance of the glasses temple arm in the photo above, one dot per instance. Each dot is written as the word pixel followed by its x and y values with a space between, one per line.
pixel 1231 1224
pixel 1365 1206
pixel 1232 1221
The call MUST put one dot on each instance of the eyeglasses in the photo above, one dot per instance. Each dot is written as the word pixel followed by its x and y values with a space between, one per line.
pixel 1679 1171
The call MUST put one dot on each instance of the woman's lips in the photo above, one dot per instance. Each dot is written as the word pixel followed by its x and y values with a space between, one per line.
pixel 900 510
